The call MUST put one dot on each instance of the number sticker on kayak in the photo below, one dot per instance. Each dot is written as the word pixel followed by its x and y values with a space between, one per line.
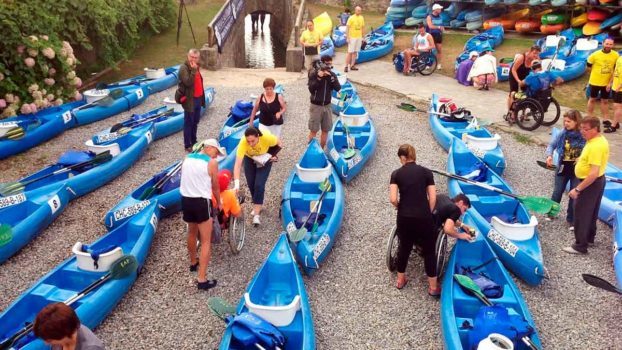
pixel 503 242
pixel 291 227
pixel 8 124
pixel 354 161
pixel 67 117
pixel 12 200
pixel 227 132
pixel 139 93
pixel 130 211
pixel 154 221
pixel 106 137
pixel 54 204
pixel 505 71
pixel 149 137
pixel 322 243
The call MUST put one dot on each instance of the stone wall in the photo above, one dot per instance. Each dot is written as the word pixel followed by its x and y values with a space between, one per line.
pixel 367 5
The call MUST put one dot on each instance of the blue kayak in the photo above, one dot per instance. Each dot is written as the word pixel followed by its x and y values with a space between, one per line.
pixel 339 36
pixel 277 294
pixel 166 121
pixel 617 246
pixel 354 111
pixel 507 225
pixel 612 197
pixel 327 48
pixel 385 31
pixel 459 309
pixel 375 49
pixel 300 194
pixel 170 78
pixel 574 65
pixel 78 272
pixel 492 37
pixel 76 182
pixel 363 139
pixel 479 140
pixel 338 101
pixel 548 44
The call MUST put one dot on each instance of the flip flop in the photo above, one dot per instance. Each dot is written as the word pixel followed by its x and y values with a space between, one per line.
pixel 543 164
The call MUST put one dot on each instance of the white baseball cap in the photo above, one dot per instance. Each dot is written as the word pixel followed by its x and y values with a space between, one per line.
pixel 437 7
pixel 215 144
pixel 473 54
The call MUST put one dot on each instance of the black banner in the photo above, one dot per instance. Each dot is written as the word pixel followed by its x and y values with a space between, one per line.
pixel 223 25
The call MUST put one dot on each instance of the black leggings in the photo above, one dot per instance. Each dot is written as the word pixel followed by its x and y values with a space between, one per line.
pixel 419 231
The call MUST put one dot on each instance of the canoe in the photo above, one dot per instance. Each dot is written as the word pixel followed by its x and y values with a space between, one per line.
pixel 164 126
pixel 79 271
pixel 527 25
pixel 549 44
pixel 459 308
pixel 364 140
pixel 508 227
pixel 300 194
pixel 339 37
pixel 579 20
pixel 323 23
pixel 617 245
pixel 327 48
pixel 612 197
pixel 552 28
pixel 336 100
pixel 168 79
pixel 483 142
pixel 554 18
pixel 385 31
pixel 277 294
pixel 57 190
pixel 375 49
pixel 53 121
pixel 597 15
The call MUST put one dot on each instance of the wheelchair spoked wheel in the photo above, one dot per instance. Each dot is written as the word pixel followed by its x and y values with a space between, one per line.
pixel 392 246
pixel 427 64
pixel 441 253
pixel 237 230
pixel 551 116
pixel 529 114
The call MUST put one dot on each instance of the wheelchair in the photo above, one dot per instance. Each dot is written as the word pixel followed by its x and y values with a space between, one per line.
pixel 235 229
pixel 531 112
pixel 424 63
pixel 441 250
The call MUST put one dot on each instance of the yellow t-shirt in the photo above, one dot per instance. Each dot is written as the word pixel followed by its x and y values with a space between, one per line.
pixel 617 75
pixel 602 67
pixel 355 26
pixel 266 141
pixel 595 152
pixel 311 38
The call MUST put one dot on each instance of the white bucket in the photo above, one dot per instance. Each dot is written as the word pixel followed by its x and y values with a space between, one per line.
pixel 496 341
pixel 154 73
pixel 177 108
pixel 95 95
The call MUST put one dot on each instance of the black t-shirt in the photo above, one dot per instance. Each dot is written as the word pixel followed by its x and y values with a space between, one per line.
pixel 412 180
pixel 445 209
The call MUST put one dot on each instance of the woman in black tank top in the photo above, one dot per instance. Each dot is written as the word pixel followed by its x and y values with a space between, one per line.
pixel 271 106
pixel 520 69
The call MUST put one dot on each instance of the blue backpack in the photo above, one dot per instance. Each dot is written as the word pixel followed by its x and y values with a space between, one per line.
pixel 489 287
pixel 249 329
pixel 496 319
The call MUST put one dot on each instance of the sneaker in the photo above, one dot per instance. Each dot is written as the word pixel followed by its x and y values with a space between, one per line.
pixel 571 250
pixel 253 212
pixel 193 268
pixel 256 221
pixel 571 228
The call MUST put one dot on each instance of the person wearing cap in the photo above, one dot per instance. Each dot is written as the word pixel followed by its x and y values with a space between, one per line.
pixel 311 41
pixel 434 22
pixel 538 80
pixel 322 82
pixel 422 42
pixel 272 107
pixel 484 70
pixel 355 30
pixel 198 186
pixel 257 151
pixel 464 68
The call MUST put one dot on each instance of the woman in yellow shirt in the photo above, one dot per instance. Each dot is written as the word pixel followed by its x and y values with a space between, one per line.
pixel 257 150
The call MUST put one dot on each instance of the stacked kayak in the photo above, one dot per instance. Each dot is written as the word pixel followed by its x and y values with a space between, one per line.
pixel 277 295
pixel 399 11
pixel 549 44
pixel 339 36
pixel 492 38
pixel 504 221
pixel 507 21
pixel 460 322
pixel 343 97
pixel 574 65
pixel 323 23
pixel 351 146
pixel 481 141
pixel 81 270
pixel 327 48
pixel 531 24
pixel 301 200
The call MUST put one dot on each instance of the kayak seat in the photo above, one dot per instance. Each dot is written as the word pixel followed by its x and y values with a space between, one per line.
pixel 585 44
pixel 354 119
pixel 482 143
pixel 97 149
pixel 73 157
pixel 314 174
pixel 53 293
pixel 279 316
pixel 515 231
pixel 95 261
pixel 556 65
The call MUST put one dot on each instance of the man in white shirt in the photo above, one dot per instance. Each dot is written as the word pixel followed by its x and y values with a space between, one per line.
pixel 422 42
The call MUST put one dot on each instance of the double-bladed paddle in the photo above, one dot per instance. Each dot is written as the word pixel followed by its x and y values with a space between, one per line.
pixel 123 267
pixel 299 234
pixel 601 283
pixel 544 165
pixel 106 101
pixel 122 128
pixel 18 131
pixel 541 205
pixel 467 283
pixel 101 86
pixel 151 189
pixel 12 188
pixel 349 152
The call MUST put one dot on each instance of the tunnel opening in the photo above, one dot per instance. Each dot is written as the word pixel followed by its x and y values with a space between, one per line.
pixel 262 46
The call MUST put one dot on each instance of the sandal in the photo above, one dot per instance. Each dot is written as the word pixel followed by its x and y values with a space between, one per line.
pixel 398 286
pixel 435 293
pixel 610 128
pixel 353 68
pixel 194 267
pixel 207 284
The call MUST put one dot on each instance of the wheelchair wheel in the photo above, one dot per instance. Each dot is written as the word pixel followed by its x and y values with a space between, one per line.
pixel 551 116
pixel 392 245
pixel 529 114
pixel 441 253
pixel 237 230
pixel 426 65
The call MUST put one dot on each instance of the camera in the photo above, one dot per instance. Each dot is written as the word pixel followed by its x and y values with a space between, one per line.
pixel 324 67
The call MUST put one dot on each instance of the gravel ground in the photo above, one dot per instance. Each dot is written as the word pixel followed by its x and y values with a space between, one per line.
pixel 355 304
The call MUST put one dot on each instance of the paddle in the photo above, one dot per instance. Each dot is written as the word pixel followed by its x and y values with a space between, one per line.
pixel 106 101
pixel 14 133
pixel 544 165
pixel 349 152
pixel 539 205
pixel 407 107
pixel 101 86
pixel 135 123
pixel 560 43
pixel 467 283
pixel 6 234
pixel 299 234
pixel 151 189
pixel 11 188
pixel 613 179
pixel 121 268
pixel 601 283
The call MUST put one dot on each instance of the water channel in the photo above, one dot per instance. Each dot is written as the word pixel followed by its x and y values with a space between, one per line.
pixel 262 50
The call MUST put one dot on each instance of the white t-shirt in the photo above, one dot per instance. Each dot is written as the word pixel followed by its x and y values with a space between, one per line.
pixel 195 179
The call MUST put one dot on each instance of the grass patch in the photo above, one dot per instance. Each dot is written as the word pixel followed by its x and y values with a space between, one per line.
pixel 524 139
pixel 161 50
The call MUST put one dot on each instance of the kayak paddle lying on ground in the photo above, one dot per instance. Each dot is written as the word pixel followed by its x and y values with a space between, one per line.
pixel 106 101
pixel 541 205
pixel 121 268
pixel 601 283
pixel 467 283
pixel 12 188
pixel 299 234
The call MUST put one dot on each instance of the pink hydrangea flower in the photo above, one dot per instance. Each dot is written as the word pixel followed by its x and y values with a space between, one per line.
pixel 62 52
pixel 33 38
pixel 58 102
pixel 71 75
pixel 48 52
pixel 33 52
pixel 77 82
pixel 2 103
pixel 38 103
pixel 37 95
pixel 45 37
pixel 44 92
pixel 50 97
pixel 49 81
pixel 1 77
pixel 33 108
pixel 46 104
pixel 52 72
pixel 9 112
pixel 30 62
pixel 70 61
pixel 77 96
pixel 25 109
pixel 21 49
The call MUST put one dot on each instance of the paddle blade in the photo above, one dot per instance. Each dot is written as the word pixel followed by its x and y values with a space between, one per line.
pixel 325 185
pixel 297 235
pixel 112 96
pixel 220 307
pixel 14 134
pixel 123 267
pixel 349 153
pixel 6 234
pixel 600 283
pixel 467 283
pixel 541 205
pixel 11 188
pixel 146 193
pixel 543 164
pixel 116 127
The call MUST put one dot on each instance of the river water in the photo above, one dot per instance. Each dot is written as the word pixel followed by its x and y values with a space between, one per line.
pixel 261 50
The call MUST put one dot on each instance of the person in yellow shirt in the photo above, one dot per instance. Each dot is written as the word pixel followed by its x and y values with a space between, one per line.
pixel 616 87
pixel 257 150
pixel 601 64
pixel 355 29
pixel 311 41
pixel 589 186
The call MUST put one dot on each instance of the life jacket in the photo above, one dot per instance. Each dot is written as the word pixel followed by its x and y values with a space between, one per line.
pixel 496 319
pixel 250 329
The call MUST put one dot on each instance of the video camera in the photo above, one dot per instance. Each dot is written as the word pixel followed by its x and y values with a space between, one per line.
pixel 321 66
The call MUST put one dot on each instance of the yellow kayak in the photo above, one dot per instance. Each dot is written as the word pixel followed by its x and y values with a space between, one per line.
pixel 579 20
pixel 591 28
pixel 323 23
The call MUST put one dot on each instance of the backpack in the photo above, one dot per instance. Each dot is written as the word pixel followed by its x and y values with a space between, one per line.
pixel 489 287
pixel 496 319
pixel 250 329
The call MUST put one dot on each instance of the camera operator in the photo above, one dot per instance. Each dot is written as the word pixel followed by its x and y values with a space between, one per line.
pixel 322 82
